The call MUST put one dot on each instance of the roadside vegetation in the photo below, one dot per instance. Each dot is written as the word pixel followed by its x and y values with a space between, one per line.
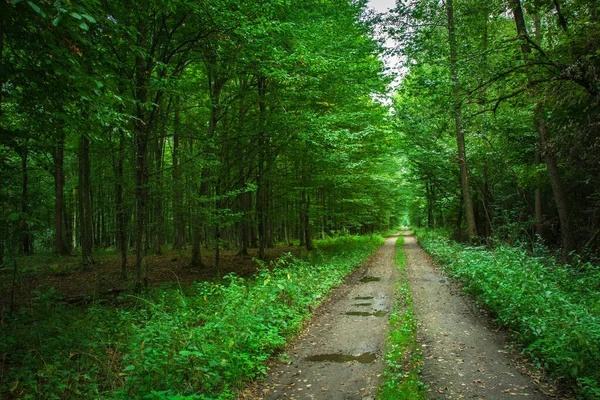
pixel 552 309
pixel 197 342
pixel 402 375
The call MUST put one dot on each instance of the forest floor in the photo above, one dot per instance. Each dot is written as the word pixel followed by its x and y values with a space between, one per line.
pixel 72 283
pixel 340 353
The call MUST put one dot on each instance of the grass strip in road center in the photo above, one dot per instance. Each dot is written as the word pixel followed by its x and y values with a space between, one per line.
pixel 403 356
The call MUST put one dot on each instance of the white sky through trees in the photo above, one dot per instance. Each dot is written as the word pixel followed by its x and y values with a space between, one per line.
pixel 382 5
pixel 391 61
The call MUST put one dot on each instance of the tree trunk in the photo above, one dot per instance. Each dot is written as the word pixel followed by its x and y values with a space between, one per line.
pixel 61 246
pixel 539 208
pixel 245 205
pixel 305 216
pixel 568 237
pixel 541 127
pixel 261 192
pixel 158 226
pixel 85 209
pixel 141 135
pixel 120 207
pixel 460 139
pixel 430 203
pixel 26 242
pixel 197 241
pixel 178 217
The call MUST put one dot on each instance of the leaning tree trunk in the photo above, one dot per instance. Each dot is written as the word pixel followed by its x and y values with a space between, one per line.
pixel 460 138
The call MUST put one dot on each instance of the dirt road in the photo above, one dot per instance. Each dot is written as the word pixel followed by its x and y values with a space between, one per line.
pixel 464 358
pixel 339 356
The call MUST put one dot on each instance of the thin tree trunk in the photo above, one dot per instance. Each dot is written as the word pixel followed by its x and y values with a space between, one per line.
pixel 141 135
pixel 460 139
pixel 25 235
pixel 178 220
pixel 305 217
pixel 120 206
pixel 261 193
pixel 60 241
pixel 158 226
pixel 85 210
pixel 539 208
pixel 245 204
pixel 218 227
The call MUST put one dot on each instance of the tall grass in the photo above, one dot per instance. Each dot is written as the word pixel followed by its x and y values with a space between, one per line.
pixel 553 309
pixel 199 342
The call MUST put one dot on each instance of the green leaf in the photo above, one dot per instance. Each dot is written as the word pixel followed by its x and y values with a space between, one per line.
pixel 89 18
pixel 84 26
pixel 57 20
pixel 75 15
pixel 13 217
pixel 35 7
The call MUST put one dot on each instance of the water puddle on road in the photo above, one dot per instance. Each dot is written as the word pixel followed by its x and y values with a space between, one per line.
pixel 370 279
pixel 364 358
pixel 362 304
pixel 367 314
pixel 363 298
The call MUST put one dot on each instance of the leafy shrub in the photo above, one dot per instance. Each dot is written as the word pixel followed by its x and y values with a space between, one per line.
pixel 198 342
pixel 553 309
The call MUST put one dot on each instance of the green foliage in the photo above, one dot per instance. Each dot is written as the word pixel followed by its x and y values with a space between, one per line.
pixel 553 309
pixel 402 375
pixel 196 342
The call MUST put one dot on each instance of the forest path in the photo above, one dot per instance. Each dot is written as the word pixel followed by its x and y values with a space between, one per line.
pixel 339 356
pixel 463 357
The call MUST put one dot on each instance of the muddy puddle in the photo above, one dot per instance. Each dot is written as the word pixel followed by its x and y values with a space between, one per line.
pixel 363 298
pixel 367 279
pixel 364 358
pixel 367 314
pixel 362 304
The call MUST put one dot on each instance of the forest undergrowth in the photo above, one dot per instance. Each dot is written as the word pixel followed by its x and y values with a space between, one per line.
pixel 195 342
pixel 551 309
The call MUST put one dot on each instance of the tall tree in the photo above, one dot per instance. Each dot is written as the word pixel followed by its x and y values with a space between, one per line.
pixel 460 138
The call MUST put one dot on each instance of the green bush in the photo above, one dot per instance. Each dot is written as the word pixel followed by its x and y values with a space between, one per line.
pixel 198 342
pixel 553 309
